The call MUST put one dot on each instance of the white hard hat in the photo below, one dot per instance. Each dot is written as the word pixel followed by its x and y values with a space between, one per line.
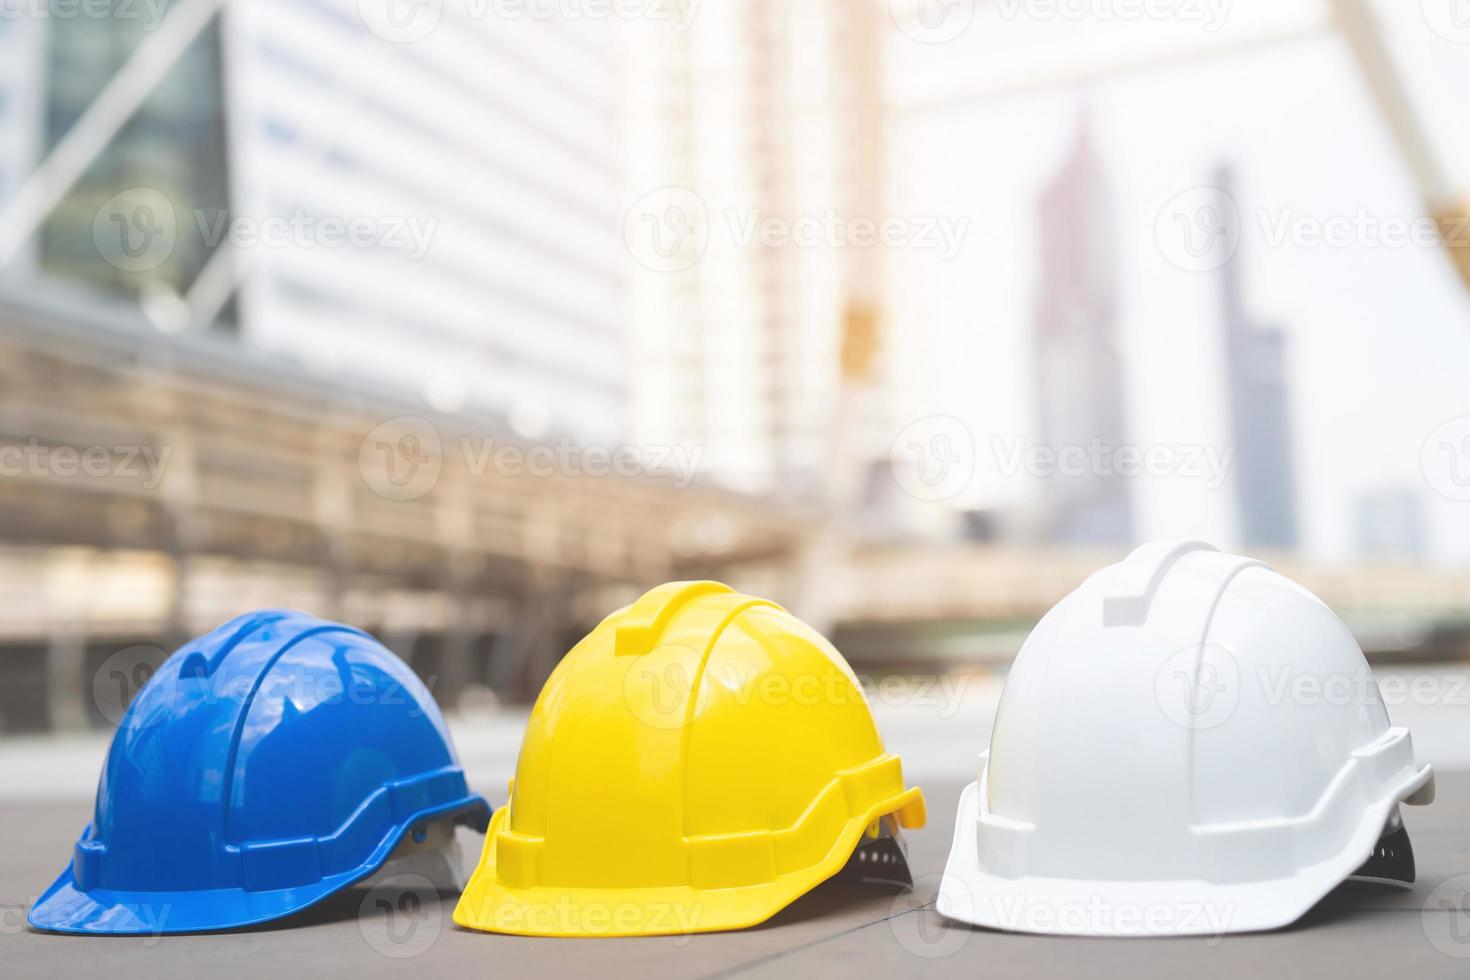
pixel 1189 743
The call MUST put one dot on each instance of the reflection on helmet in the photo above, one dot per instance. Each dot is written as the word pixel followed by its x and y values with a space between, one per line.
pixel 696 763
pixel 1155 769
pixel 264 767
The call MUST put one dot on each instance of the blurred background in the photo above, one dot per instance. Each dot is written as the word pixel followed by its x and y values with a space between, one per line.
pixel 466 321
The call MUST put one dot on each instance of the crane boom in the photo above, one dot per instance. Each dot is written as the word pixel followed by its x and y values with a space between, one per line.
pixel 1082 59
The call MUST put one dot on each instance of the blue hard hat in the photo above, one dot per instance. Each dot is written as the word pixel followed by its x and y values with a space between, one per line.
pixel 264 767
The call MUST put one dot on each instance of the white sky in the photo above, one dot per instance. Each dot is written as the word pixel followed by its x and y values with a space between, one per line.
pixel 1379 338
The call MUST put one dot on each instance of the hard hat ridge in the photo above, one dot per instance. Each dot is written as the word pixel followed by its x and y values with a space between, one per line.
pixel 685 769
pixel 1167 678
pixel 265 766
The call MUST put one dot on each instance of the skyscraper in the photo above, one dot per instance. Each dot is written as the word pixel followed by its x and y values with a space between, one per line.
pixel 763 113
pixel 1260 413
pixel 1078 365
pixel 481 161
pixel 433 212
pixel 1391 523
pixel 169 160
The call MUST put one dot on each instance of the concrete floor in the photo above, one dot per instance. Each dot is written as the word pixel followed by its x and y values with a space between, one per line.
pixel 1358 930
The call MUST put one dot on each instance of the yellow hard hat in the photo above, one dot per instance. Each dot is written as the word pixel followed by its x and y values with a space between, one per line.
pixel 699 761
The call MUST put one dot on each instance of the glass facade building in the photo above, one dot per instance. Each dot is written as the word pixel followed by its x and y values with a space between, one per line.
pixel 173 149
pixel 435 216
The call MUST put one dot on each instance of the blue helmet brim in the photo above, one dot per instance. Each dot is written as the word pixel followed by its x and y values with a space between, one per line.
pixel 65 908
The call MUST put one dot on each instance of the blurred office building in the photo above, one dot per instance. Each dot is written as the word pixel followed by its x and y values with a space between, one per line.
pixel 435 217
pixel 487 151
pixel 765 119
pixel 21 119
pixel 1078 364
pixel 1392 525
pixel 128 225
pixel 1260 413
pixel 292 231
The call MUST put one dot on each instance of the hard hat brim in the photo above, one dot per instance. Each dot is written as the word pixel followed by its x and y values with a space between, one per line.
pixel 487 905
pixel 1067 907
pixel 66 908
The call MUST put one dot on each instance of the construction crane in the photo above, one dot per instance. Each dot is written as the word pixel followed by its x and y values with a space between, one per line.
pixel 1074 60
pixel 1083 58
pixel 1444 197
